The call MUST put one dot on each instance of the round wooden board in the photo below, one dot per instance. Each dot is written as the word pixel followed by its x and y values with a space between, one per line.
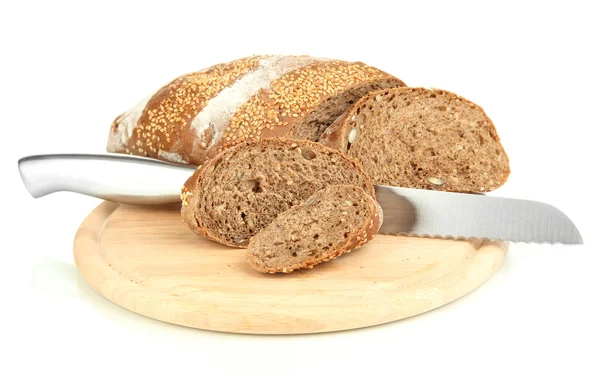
pixel 144 259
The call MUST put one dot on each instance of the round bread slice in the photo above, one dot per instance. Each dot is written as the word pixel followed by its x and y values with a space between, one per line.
pixel 237 193
pixel 333 221
pixel 199 114
pixel 422 138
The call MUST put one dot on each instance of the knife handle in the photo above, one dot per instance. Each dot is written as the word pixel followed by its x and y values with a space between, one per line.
pixel 119 178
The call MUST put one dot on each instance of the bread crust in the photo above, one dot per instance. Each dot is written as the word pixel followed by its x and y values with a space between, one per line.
pixel 163 127
pixel 366 233
pixel 191 193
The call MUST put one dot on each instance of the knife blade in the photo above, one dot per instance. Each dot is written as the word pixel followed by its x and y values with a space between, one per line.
pixel 430 213
pixel 414 212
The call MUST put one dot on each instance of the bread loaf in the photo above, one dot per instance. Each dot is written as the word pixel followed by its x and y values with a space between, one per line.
pixel 422 138
pixel 241 190
pixel 333 221
pixel 197 115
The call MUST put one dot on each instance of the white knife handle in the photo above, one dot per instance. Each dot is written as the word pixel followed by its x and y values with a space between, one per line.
pixel 119 178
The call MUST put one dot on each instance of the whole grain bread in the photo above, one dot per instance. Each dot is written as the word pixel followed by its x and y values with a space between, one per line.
pixel 241 190
pixel 333 221
pixel 197 115
pixel 422 138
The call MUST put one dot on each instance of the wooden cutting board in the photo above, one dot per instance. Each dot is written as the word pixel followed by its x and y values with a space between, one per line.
pixel 145 260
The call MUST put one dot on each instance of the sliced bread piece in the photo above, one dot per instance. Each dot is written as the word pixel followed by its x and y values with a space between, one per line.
pixel 239 192
pixel 422 138
pixel 333 221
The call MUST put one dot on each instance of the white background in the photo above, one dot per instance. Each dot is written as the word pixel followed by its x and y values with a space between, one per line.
pixel 67 69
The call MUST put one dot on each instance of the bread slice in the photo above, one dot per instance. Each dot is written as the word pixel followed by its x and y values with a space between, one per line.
pixel 239 192
pixel 199 114
pixel 422 138
pixel 333 221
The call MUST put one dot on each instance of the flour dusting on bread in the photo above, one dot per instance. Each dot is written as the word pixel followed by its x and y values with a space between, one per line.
pixel 222 107
pixel 122 130
pixel 172 157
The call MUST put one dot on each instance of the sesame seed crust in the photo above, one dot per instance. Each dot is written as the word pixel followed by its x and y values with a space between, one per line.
pixel 165 121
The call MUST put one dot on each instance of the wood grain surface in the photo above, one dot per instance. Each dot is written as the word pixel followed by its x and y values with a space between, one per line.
pixel 144 259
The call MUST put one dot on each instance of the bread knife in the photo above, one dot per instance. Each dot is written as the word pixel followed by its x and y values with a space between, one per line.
pixel 132 179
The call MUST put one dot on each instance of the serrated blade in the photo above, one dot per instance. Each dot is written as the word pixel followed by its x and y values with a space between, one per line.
pixel 431 213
